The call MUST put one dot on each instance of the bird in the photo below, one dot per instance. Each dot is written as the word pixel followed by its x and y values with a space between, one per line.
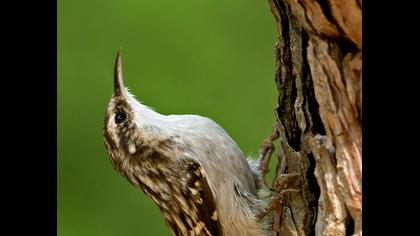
pixel 187 164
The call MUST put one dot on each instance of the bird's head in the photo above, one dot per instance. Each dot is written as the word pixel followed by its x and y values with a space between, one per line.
pixel 128 124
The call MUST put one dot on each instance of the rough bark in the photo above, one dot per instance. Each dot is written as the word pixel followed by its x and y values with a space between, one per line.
pixel 319 115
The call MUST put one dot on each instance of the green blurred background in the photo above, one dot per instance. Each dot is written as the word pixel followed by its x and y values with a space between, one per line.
pixel 213 58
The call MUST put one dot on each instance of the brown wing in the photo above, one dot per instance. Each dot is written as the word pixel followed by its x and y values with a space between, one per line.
pixel 186 200
pixel 203 201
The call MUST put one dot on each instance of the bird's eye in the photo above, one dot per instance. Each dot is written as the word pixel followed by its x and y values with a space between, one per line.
pixel 120 117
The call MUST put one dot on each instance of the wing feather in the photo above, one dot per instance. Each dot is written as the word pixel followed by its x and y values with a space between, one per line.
pixel 203 201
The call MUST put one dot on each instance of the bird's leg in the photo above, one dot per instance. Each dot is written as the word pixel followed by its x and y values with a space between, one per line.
pixel 279 208
pixel 266 150
pixel 281 188
pixel 283 181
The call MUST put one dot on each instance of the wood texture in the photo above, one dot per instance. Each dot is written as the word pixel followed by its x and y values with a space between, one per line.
pixel 319 114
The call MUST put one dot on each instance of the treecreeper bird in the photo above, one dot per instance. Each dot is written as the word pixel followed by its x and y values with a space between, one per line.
pixel 187 164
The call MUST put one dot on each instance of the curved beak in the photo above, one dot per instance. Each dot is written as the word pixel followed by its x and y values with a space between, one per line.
pixel 118 79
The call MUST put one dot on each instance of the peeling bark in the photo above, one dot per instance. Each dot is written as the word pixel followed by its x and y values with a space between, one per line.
pixel 319 115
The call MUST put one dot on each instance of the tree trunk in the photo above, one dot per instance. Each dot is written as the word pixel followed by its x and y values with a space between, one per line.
pixel 318 183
